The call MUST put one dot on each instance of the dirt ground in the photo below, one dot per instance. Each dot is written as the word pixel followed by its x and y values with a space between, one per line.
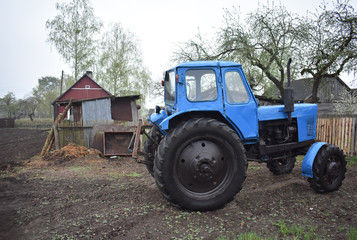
pixel 89 197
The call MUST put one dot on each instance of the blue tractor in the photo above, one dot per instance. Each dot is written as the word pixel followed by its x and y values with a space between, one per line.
pixel 211 126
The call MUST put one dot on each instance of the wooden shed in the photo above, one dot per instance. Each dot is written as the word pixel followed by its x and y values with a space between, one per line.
pixel 93 113
pixel 86 116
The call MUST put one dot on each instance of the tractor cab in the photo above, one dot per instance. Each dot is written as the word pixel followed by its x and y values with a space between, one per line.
pixel 209 88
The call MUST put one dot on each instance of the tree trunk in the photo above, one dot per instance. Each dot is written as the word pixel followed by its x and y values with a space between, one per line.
pixel 315 88
pixel 31 116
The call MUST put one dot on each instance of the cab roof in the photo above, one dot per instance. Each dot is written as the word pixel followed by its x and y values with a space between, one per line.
pixel 207 64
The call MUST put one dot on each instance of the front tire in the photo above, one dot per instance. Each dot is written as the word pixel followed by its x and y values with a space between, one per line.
pixel 150 147
pixel 200 165
pixel 329 169
pixel 282 166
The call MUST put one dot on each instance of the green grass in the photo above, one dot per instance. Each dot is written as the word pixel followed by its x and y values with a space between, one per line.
pixel 247 236
pixel 299 158
pixel 134 174
pixel 351 161
pixel 36 123
pixel 296 231
pixel 36 120
pixel 352 234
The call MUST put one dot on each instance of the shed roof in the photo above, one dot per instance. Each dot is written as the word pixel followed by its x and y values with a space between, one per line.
pixel 87 75
pixel 112 98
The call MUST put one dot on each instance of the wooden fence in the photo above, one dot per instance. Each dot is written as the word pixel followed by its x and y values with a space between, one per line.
pixel 340 131
pixel 81 133
pixel 7 122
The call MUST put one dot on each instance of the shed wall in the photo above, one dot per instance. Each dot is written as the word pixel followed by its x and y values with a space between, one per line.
pixel 93 112
pixel 121 110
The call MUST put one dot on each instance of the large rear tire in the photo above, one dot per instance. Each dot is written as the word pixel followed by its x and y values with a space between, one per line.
pixel 329 169
pixel 200 165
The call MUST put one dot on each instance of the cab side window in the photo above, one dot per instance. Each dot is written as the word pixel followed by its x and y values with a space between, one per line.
pixel 235 89
pixel 201 85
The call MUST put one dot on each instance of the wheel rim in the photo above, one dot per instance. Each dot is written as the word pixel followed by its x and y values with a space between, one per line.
pixel 203 167
pixel 332 170
pixel 284 162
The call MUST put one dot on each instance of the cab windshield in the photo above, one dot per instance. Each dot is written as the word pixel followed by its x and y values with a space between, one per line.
pixel 170 88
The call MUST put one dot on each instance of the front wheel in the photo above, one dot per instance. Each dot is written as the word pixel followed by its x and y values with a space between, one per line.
pixel 200 165
pixel 329 169
pixel 281 166
pixel 150 147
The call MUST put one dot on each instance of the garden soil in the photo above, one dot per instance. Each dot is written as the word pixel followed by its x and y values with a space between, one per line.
pixel 74 193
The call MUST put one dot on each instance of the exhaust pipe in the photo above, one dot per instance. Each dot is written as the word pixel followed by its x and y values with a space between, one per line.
pixel 289 94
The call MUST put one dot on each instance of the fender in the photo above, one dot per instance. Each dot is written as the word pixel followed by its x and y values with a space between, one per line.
pixel 309 159
pixel 164 125
pixel 157 118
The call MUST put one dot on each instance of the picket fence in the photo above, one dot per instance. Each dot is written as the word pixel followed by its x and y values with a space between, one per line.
pixel 340 131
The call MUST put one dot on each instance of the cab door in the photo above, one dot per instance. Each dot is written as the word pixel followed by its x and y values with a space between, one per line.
pixel 240 105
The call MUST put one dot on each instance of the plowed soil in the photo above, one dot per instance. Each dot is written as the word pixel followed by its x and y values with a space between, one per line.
pixel 89 197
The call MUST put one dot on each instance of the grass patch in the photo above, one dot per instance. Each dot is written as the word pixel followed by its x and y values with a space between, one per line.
pixel 352 234
pixel 36 123
pixel 296 231
pixel 351 161
pixel 134 174
pixel 247 236
pixel 299 158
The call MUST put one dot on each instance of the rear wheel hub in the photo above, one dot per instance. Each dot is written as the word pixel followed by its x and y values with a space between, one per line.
pixel 199 169
pixel 204 169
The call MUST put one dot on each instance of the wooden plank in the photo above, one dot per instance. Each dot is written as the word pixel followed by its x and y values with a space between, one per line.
pixel 343 137
pixel 323 130
pixel 318 130
pixel 330 130
pixel 334 131
pixel 339 133
pixel 137 140
pixel 348 135
pixel 56 137
pixel 49 141
pixel 353 140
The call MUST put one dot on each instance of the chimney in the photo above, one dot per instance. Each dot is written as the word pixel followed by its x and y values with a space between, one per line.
pixel 89 74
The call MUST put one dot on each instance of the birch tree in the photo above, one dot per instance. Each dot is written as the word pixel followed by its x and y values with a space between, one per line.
pixel 73 32
pixel 121 65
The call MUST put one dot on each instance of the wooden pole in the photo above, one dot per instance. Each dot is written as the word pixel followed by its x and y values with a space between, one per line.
pixel 49 140
pixel 61 83
pixel 56 137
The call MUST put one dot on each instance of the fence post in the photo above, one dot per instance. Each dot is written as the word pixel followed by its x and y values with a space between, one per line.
pixel 353 137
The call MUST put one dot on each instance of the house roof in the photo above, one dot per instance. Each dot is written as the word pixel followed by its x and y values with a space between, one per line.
pixel 88 75
pixel 302 87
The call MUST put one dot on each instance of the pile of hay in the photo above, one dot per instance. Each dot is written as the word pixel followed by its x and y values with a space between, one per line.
pixel 70 152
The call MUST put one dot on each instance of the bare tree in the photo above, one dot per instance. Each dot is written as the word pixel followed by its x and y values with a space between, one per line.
pixel 330 44
pixel 321 45
pixel 347 104
pixel 262 44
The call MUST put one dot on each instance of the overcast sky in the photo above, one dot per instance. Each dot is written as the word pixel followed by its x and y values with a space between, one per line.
pixel 25 56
